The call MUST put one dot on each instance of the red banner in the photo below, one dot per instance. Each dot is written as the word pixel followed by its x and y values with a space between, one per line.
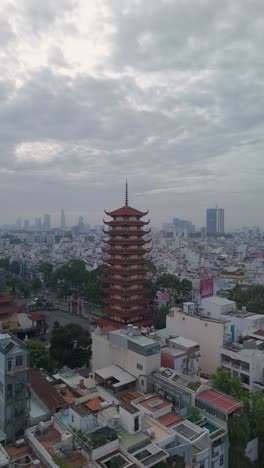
pixel 206 288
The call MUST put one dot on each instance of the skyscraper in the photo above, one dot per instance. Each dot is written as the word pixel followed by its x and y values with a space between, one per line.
pixel 215 220
pixel 127 301
pixel 62 220
pixel 38 224
pixel 211 221
pixel 221 221
pixel 46 222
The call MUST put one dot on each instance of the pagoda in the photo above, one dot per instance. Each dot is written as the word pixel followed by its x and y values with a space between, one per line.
pixel 125 257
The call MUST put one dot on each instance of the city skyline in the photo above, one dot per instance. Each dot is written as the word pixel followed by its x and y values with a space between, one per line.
pixel 168 94
pixel 38 221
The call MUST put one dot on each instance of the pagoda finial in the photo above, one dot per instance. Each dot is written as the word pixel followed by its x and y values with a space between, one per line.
pixel 126 195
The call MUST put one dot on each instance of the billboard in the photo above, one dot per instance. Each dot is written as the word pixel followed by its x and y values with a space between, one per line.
pixel 259 255
pixel 206 288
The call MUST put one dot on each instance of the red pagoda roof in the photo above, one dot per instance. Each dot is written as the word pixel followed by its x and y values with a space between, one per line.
pixel 36 317
pixel 126 211
pixel 8 309
pixel 4 298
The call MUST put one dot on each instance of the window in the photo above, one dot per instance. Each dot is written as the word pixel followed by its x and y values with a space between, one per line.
pixel 136 423
pixel 9 390
pixel 1 387
pixel 9 364
pixel 221 460
pixel 142 382
pixel 19 361
pixel 72 418
pixel 139 366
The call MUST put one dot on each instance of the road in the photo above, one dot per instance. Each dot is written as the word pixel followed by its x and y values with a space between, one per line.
pixel 64 318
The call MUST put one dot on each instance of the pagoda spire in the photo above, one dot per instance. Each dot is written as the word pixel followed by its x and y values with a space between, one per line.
pixel 126 194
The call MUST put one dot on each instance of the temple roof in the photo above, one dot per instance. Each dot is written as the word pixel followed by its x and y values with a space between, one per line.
pixel 126 211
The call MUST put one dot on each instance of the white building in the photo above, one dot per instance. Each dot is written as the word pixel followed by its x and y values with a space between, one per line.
pixel 245 361
pixel 182 355
pixel 241 320
pixel 137 354
pixel 14 392
pixel 211 333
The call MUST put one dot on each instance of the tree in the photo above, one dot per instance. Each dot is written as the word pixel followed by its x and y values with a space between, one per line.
pixel 239 436
pixel 15 267
pixel 39 354
pixel 46 268
pixel 177 290
pixel 70 346
pixel 252 297
pixel 114 463
pixel 193 413
pixel 159 317
pixel 36 284
pixel 257 421
pixel 224 382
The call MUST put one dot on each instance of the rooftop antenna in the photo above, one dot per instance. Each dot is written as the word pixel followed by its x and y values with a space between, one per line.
pixel 126 195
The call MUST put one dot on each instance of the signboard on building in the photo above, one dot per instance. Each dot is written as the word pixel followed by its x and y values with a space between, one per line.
pixel 206 288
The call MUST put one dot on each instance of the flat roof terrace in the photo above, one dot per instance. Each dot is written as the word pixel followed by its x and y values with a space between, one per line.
pixel 221 401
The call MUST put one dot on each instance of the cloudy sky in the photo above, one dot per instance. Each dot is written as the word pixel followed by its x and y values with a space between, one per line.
pixel 166 93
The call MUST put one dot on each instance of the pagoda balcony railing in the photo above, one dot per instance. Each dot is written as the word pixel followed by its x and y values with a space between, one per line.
pixel 129 261
pixel 122 291
pixel 122 272
pixel 139 251
pixel 126 232
pixel 128 313
pixel 126 241
pixel 124 303
pixel 125 222
pixel 126 282
pixel 143 322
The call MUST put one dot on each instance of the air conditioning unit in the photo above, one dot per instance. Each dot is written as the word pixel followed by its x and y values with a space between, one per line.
pixel 19 442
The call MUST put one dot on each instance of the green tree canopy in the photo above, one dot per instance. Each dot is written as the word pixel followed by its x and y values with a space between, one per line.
pixel 179 291
pixel 159 317
pixel 39 354
pixel 223 381
pixel 70 346
pixel 36 284
pixel 252 297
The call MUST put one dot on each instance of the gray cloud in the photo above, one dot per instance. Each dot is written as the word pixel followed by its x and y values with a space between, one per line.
pixel 172 98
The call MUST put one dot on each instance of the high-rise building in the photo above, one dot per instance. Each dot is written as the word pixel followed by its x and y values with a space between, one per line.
pixel 14 394
pixel 46 222
pixel 18 223
pixel 215 220
pixel 220 220
pixel 125 255
pixel 81 226
pixel 26 224
pixel 211 223
pixel 38 224
pixel 62 220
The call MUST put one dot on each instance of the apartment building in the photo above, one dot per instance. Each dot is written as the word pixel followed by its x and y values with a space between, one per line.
pixel 14 392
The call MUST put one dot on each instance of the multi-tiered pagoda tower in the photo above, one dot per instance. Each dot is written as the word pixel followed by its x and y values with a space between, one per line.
pixel 125 255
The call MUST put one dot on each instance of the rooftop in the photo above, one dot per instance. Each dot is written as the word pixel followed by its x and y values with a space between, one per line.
pixel 220 400
pixel 183 342
pixel 94 404
pixel 139 339
pixel 154 403
pixel 81 410
pixel 118 376
pixel 45 391
pixel 218 301
pixel 170 419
